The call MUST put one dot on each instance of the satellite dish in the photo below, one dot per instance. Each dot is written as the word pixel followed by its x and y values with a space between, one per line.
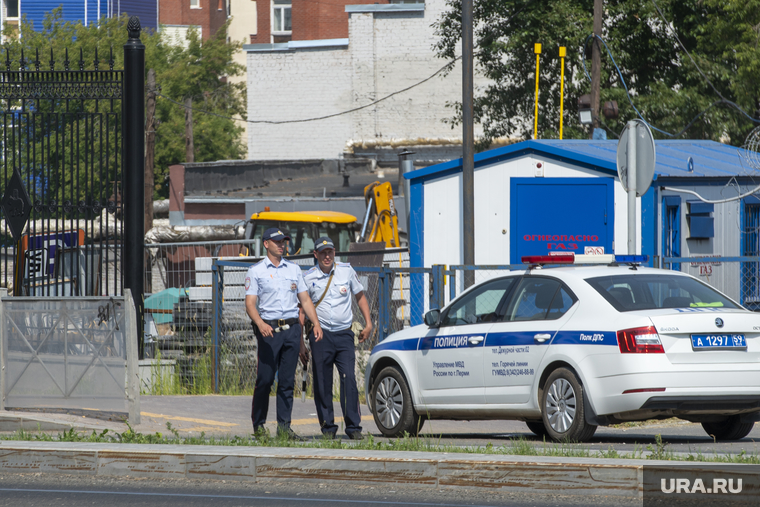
pixel 645 157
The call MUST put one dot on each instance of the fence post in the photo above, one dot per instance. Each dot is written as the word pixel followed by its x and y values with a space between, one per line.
pixel 437 298
pixel 3 349
pixel 133 366
pixel 382 308
pixel 133 169
pixel 452 285
pixel 217 300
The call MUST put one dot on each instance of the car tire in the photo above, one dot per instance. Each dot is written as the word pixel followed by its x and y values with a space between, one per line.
pixel 562 408
pixel 537 427
pixel 392 405
pixel 731 428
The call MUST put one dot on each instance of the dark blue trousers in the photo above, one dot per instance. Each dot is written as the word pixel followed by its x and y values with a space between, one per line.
pixel 278 354
pixel 335 348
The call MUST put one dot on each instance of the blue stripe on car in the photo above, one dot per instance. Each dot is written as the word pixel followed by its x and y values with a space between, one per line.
pixel 585 338
pixel 454 341
pixel 408 344
pixel 500 339
pixel 521 338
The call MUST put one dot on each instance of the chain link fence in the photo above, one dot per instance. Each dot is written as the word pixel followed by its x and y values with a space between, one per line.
pixel 199 337
pixel 736 277
pixel 198 326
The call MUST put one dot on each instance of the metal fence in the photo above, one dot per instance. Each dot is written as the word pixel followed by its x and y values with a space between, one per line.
pixel 200 323
pixel 197 320
pixel 737 277
pixel 69 353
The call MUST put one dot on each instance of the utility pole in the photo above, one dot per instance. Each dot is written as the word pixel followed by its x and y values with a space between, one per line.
pixel 468 145
pixel 150 148
pixel 596 64
pixel 189 148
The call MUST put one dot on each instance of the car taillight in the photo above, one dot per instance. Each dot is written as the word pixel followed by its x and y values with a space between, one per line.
pixel 640 340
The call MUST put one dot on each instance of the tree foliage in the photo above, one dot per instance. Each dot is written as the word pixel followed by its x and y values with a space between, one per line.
pixel 197 70
pixel 663 83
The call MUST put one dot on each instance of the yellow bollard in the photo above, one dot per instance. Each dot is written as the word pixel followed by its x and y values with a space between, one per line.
pixel 562 52
pixel 537 50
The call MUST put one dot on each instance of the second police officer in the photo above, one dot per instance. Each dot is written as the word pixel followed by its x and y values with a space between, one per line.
pixel 273 287
pixel 330 285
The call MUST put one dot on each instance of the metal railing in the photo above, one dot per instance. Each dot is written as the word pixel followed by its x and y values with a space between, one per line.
pixel 206 331
pixel 197 309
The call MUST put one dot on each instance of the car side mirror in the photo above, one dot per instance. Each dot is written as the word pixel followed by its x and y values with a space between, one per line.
pixel 432 318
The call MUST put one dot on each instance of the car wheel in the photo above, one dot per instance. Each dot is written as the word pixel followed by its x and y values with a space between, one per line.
pixel 562 408
pixel 392 400
pixel 537 427
pixel 730 428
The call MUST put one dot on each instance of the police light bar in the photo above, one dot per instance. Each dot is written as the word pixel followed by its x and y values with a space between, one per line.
pixel 571 258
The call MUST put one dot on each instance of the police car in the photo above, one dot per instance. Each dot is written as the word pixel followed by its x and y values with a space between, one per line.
pixel 569 348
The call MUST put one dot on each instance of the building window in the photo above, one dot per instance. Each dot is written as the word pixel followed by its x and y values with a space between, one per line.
pixel 281 17
pixel 12 9
pixel 195 4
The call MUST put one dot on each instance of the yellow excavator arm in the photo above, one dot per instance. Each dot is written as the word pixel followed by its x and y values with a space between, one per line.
pixel 381 220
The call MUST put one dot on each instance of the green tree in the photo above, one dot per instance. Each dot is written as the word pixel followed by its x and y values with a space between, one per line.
pixel 663 84
pixel 197 71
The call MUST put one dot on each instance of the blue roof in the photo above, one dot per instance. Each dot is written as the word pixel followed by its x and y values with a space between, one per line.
pixel 710 158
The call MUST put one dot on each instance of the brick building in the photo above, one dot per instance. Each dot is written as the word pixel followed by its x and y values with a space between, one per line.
pixel 177 16
pixel 286 20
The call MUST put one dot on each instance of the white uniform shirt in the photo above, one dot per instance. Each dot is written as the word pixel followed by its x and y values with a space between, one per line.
pixel 335 311
pixel 277 288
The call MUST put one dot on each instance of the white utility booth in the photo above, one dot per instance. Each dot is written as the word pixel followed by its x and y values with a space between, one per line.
pixel 539 196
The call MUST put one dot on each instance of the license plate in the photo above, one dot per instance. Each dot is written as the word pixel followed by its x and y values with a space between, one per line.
pixel 718 341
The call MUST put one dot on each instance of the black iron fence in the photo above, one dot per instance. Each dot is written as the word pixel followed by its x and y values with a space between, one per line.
pixel 61 135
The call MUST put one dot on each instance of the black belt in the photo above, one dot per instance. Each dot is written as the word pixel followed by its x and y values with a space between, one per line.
pixel 281 322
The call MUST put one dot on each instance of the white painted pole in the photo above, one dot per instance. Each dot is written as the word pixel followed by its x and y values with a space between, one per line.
pixel 132 386
pixel 631 163
pixel 3 349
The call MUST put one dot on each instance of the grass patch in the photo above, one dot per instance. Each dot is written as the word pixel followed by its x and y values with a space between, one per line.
pixel 516 447
pixel 194 373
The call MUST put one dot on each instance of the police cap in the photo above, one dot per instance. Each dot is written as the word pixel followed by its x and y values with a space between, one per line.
pixel 274 234
pixel 324 242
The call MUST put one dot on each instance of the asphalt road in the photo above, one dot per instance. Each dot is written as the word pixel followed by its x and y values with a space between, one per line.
pixel 218 415
pixel 230 415
pixel 27 490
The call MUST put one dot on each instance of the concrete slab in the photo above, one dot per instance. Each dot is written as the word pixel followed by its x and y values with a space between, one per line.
pixel 570 476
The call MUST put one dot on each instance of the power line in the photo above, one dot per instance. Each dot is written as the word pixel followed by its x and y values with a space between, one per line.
pixel 638 113
pixel 281 122
pixel 723 99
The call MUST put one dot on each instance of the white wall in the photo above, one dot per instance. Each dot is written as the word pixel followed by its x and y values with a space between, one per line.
pixel 287 85
pixel 442 214
pixel 385 52
pixel 177 34
pixel 243 24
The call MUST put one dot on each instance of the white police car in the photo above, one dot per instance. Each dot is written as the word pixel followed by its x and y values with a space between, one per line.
pixel 570 348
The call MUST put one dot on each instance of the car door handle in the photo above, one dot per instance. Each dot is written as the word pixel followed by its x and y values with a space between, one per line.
pixel 474 340
pixel 542 337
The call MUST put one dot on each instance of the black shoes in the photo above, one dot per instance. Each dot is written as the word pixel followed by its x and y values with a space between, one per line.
pixel 356 435
pixel 289 434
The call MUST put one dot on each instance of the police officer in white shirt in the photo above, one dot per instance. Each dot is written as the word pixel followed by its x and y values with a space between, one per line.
pixel 330 286
pixel 276 285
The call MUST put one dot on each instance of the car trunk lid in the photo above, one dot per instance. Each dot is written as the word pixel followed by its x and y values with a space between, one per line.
pixel 718 328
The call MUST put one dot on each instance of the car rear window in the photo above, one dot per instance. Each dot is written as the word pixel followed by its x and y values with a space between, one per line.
pixel 648 292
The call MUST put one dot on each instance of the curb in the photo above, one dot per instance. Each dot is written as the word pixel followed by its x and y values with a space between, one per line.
pixel 566 476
